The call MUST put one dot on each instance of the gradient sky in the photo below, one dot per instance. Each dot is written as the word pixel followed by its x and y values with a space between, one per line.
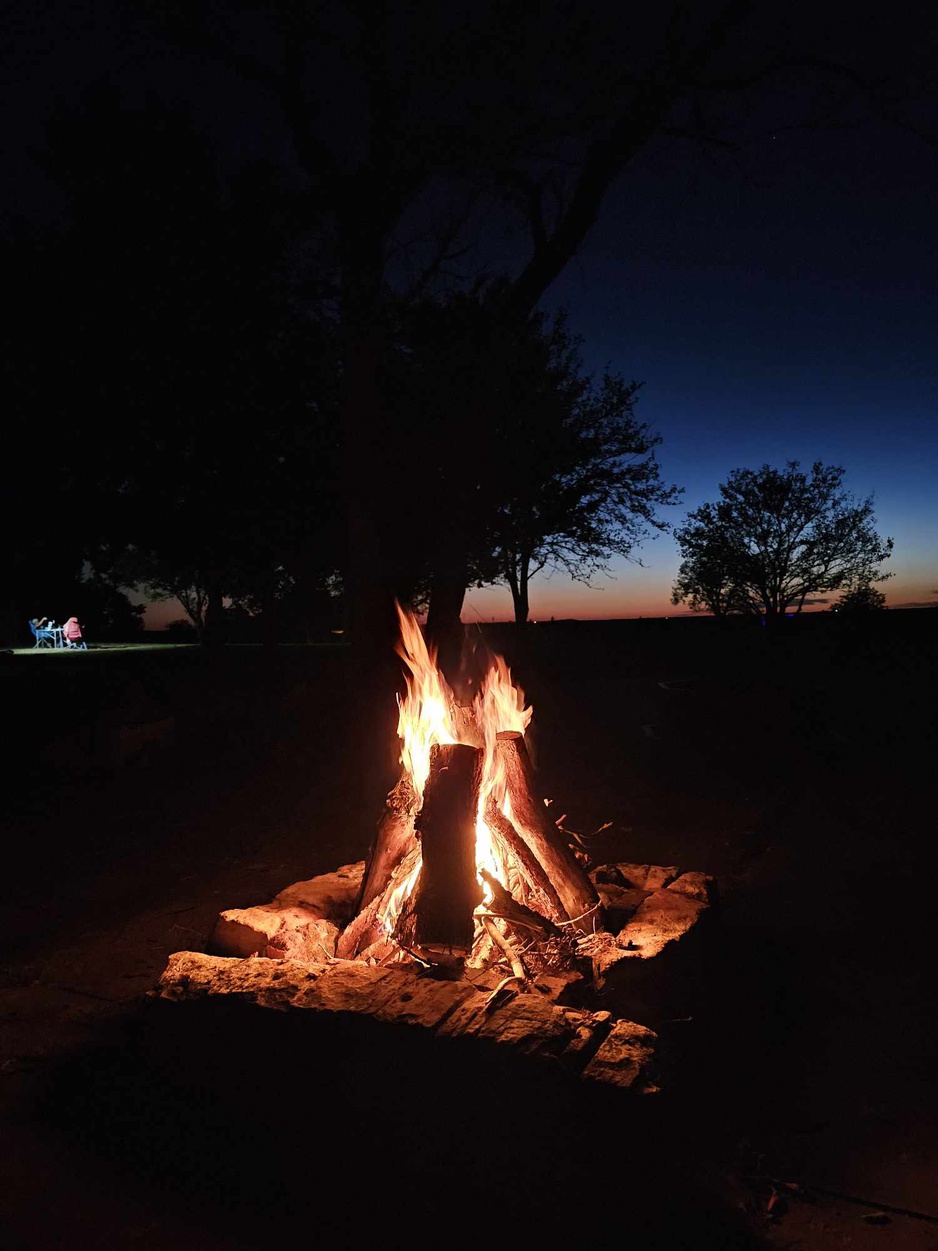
pixel 785 312
pixel 778 303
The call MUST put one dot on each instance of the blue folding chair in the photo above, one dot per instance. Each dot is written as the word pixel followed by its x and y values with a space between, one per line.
pixel 43 637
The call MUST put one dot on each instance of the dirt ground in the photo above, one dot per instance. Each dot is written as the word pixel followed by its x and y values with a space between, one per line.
pixel 797 1108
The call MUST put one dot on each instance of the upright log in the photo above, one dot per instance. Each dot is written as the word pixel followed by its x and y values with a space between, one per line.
pixel 574 889
pixel 448 891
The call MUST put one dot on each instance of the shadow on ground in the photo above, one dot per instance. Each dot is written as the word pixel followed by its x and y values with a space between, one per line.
pixel 260 1125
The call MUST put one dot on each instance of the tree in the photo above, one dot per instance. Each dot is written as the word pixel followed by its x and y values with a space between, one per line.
pixel 588 489
pixel 774 538
pixel 210 462
pixel 501 450
pixel 860 599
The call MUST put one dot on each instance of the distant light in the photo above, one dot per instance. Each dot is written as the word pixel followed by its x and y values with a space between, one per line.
pixel 337 631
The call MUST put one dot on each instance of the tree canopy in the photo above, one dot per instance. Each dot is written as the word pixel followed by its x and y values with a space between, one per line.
pixel 774 538
pixel 502 450
pixel 587 484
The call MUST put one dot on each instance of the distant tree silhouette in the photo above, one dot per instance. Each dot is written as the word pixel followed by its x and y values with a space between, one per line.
pixel 775 537
pixel 210 462
pixel 503 450
pixel 586 486
pixel 860 599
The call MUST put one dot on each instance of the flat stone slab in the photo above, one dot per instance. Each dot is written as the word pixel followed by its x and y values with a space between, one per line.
pixel 301 923
pixel 654 966
pixel 331 895
pixel 280 933
pixel 588 1044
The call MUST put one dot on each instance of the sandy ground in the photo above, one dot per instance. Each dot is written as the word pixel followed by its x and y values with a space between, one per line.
pixel 799 1106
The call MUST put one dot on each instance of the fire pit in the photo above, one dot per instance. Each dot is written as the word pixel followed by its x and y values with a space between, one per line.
pixel 474 913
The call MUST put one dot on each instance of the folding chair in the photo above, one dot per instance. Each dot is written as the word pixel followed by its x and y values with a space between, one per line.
pixel 43 637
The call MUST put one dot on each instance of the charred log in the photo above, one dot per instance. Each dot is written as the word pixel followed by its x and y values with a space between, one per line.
pixel 574 889
pixel 447 890
pixel 393 839
pixel 371 924
pixel 537 889
pixel 504 905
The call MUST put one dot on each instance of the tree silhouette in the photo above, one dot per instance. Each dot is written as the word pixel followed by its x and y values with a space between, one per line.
pixel 775 537
pixel 860 599
pixel 502 450
pixel 210 464
pixel 587 484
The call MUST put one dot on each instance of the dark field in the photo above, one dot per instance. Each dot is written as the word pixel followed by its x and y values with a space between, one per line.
pixel 798 769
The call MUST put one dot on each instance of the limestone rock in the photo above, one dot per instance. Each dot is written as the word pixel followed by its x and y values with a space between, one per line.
pixel 619 902
pixel 645 877
pixel 624 1055
pixel 655 968
pixel 664 917
pixel 660 876
pixel 528 1023
pixel 280 933
pixel 331 895
pixel 192 975
pixel 699 886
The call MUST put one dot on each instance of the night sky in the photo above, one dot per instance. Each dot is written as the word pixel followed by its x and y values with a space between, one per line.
pixel 787 312
pixel 778 301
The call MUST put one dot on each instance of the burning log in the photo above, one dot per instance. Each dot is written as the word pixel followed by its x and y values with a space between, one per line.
pixel 503 905
pixel 575 891
pixel 537 887
pixel 371 923
pixel 393 839
pixel 448 891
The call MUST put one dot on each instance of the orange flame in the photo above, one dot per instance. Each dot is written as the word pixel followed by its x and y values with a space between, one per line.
pixel 425 712
pixel 428 715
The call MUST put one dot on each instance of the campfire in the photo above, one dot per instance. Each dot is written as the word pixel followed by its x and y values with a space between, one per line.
pixel 475 914
pixel 467 869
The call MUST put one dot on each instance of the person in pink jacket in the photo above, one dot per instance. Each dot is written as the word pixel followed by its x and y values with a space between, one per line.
pixel 71 632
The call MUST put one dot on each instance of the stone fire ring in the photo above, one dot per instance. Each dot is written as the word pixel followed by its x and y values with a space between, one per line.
pixel 281 955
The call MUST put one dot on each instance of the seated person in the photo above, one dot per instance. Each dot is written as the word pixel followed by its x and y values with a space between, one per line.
pixel 71 631
pixel 40 622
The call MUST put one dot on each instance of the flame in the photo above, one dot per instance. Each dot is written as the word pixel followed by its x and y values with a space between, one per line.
pixel 427 714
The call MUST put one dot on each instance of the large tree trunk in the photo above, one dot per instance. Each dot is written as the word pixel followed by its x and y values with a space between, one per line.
pixel 214 610
pixel 516 572
pixel 372 621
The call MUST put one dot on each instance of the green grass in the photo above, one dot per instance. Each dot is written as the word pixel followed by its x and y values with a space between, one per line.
pixel 102 647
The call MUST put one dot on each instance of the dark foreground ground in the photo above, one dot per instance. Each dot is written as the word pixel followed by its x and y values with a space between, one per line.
pixel 799 770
